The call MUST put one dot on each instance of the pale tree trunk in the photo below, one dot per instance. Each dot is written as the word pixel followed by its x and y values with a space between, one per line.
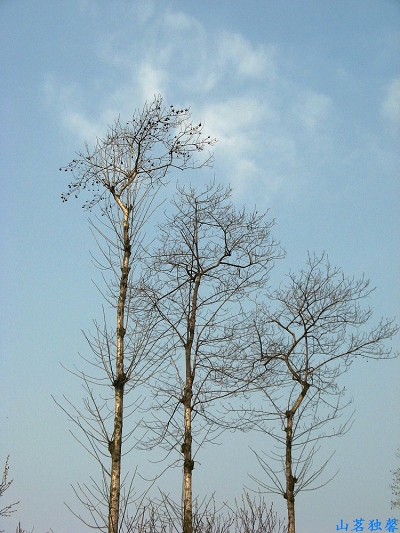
pixel 124 171
pixel 290 478
pixel 290 481
pixel 188 462
pixel 115 445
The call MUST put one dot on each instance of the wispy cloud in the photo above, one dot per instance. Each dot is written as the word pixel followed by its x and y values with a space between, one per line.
pixel 236 87
pixel 312 110
pixel 69 102
pixel 242 57
pixel 391 103
pixel 152 80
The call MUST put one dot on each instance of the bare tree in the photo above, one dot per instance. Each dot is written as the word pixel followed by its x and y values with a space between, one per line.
pixel 247 516
pixel 211 258
pixel 304 339
pixel 396 485
pixel 5 484
pixel 254 516
pixel 122 174
pixel 20 530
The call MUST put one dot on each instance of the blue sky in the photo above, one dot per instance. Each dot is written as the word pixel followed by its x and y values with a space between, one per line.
pixel 304 97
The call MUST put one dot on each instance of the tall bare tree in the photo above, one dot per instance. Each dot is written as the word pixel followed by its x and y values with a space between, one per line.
pixel 304 339
pixel 210 260
pixel 122 174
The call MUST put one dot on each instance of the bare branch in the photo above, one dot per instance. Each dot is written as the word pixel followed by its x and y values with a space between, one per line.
pixel 211 258
pixel 5 484
pixel 301 342
pixel 123 174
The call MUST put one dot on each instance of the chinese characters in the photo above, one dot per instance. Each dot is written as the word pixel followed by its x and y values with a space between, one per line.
pixel 359 524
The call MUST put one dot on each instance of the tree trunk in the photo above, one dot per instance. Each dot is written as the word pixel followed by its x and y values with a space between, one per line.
pixel 290 480
pixel 188 463
pixel 115 450
pixel 115 445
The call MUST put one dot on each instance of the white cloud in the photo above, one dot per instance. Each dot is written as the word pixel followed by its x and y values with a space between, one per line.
pixel 66 100
pixel 312 109
pixel 144 10
pixel 86 129
pixel 237 53
pixel 236 88
pixel 391 104
pixel 59 95
pixel 177 54
pixel 177 21
pixel 249 133
pixel 233 115
pixel 151 81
